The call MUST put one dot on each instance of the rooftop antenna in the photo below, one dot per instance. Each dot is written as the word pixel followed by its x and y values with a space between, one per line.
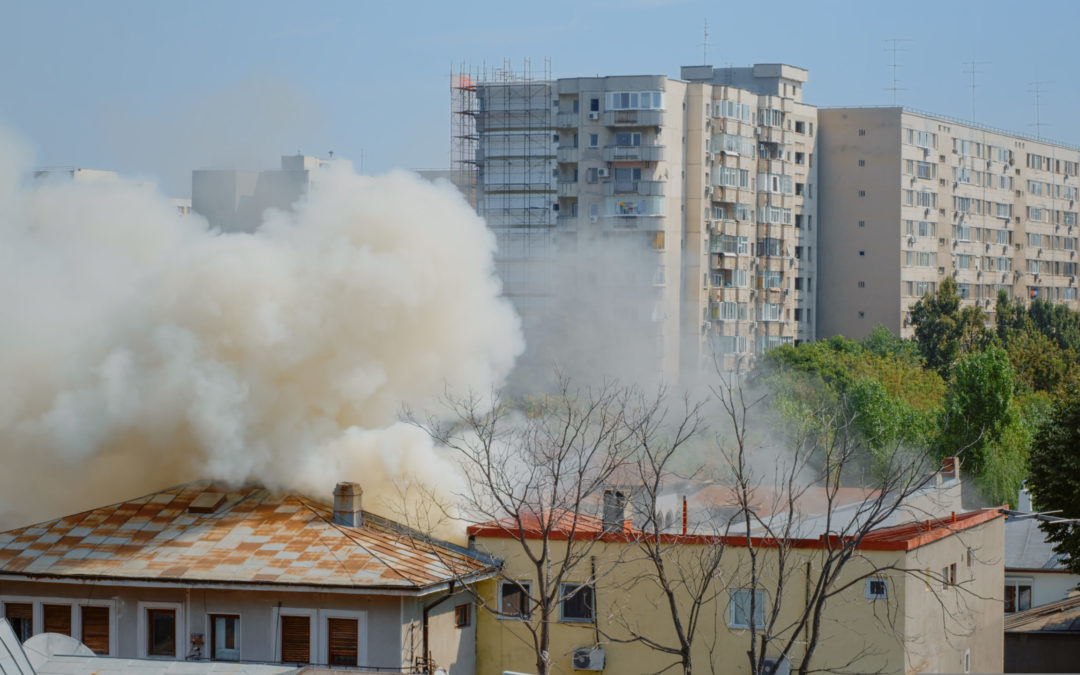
pixel 973 70
pixel 705 44
pixel 893 45
pixel 1036 89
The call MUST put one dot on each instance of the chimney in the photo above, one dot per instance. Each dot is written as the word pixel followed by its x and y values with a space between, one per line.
pixel 347 509
pixel 614 510
pixel 1024 503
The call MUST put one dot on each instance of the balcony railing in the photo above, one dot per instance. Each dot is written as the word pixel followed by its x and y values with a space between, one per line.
pixel 633 153
pixel 567 119
pixel 631 118
pixel 568 154
pixel 567 189
pixel 643 223
pixel 645 188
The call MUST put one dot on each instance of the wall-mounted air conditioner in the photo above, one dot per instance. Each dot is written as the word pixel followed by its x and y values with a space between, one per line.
pixel 593 115
pixel 588 658
pixel 603 173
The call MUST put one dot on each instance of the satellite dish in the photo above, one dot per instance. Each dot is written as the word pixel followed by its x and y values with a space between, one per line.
pixel 43 646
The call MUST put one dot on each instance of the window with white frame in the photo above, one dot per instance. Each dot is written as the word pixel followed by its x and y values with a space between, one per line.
pixel 741 610
pixel 1017 594
pixel 877 588
pixel 1036 214
pixel 628 139
pixel 635 100
pixel 770 311
pixel 770 279
pixel 576 602
pixel 159 630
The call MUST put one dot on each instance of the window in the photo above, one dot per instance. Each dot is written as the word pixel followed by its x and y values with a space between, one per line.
pixel 95 628
pixel 295 639
pixel 948 575
pixel 800 127
pixel 1017 595
pixel 628 138
pixel 770 279
pixel 462 616
pixel 224 637
pixel 741 599
pixel 577 602
pixel 862 132
pixel 877 588
pixel 594 140
pixel 635 100
pixel 591 174
pixel 56 619
pixel 862 162
pixel 342 637
pixel 970 557
pixel 769 311
pixel 967 660
pixel 161 632
pixel 594 105
pixel 514 599
pixel 862 193
pixel 21 617
pixel 862 284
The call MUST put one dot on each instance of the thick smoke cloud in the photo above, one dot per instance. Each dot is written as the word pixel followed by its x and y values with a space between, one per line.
pixel 139 350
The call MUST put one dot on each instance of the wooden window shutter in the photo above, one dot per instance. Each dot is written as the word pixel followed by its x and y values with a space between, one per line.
pixel 19 610
pixel 295 639
pixel 95 629
pixel 343 641
pixel 57 619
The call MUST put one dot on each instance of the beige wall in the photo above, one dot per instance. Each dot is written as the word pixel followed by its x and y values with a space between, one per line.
pixel 901 634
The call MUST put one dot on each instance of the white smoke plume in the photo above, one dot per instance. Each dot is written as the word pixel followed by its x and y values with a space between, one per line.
pixel 139 350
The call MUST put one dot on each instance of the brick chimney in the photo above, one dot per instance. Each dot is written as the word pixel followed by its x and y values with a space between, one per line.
pixel 950 467
pixel 347 500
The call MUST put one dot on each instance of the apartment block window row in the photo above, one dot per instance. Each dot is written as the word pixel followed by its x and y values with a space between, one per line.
pixel 764 343
pixel 729 176
pixel 920 228
pixel 769 311
pixel 920 169
pixel 1055 267
pixel 1052 293
pixel 776 183
pixel 768 117
pixel 730 279
pixel 635 100
pixel 921 139
pixel 969 148
pixel 774 215
pixel 726 243
pixel 770 279
pixel 731 143
pixel 919 288
pixel 729 311
pixel 730 344
pixel 923 198
pixel 732 110
pixel 770 246
pixel 920 259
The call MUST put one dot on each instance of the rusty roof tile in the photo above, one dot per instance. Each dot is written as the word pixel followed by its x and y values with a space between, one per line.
pixel 255 535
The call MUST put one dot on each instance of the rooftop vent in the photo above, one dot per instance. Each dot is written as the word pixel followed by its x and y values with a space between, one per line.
pixel 615 502
pixel 207 502
pixel 347 500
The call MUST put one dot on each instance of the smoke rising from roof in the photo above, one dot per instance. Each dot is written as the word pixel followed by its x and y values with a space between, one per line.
pixel 140 350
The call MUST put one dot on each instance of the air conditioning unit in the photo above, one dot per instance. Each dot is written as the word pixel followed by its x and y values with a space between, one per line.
pixel 593 219
pixel 588 658
pixel 774 668
pixel 593 115
pixel 603 173
pixel 911 239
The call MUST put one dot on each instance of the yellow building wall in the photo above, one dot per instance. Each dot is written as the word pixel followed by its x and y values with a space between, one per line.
pixel 901 634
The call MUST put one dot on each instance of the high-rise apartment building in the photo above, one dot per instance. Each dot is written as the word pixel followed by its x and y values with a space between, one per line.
pixel 910 198
pixel 677 216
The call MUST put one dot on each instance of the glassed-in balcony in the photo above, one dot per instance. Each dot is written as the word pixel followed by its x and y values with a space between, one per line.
pixel 631 118
pixel 646 188
pixel 633 153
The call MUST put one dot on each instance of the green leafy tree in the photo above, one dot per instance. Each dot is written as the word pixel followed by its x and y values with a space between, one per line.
pixel 1055 474
pixel 944 332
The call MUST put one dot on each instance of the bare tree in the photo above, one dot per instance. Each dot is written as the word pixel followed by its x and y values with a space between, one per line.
pixel 534 473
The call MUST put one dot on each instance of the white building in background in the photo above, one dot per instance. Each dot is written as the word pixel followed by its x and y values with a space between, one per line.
pixel 75 174
pixel 644 220
pixel 235 201
pixel 1034 573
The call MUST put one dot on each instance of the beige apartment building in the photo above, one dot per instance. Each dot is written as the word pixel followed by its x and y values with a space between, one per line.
pixel 909 198
pixel 644 220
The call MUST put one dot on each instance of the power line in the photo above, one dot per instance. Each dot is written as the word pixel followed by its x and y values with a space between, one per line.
pixel 893 45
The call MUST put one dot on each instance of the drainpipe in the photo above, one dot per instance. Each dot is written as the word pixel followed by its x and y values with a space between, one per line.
pixel 427 610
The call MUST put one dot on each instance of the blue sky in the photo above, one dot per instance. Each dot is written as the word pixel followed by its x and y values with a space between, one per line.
pixel 156 89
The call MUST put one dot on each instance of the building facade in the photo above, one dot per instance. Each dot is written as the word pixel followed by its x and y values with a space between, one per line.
pixel 212 572
pixel 646 219
pixel 910 198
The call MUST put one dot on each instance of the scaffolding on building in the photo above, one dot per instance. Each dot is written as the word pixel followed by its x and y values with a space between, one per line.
pixel 503 154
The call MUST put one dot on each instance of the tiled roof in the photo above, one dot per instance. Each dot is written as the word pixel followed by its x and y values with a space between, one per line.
pixel 254 536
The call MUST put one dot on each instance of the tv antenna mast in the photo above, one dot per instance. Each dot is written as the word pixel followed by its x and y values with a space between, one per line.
pixel 973 70
pixel 705 44
pixel 1037 90
pixel 893 45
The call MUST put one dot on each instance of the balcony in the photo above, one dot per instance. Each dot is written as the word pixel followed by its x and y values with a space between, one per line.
pixel 633 118
pixel 641 223
pixel 773 135
pixel 564 120
pixel 567 155
pixel 633 153
pixel 567 189
pixel 645 188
